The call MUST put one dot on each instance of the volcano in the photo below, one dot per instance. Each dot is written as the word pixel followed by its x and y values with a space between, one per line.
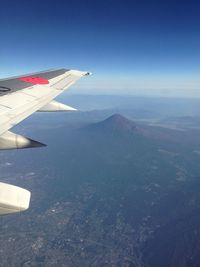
pixel 114 123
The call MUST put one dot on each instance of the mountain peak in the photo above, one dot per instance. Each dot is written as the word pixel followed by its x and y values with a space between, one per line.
pixel 116 122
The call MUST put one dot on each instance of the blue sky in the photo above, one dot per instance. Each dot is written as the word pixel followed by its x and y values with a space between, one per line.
pixel 132 47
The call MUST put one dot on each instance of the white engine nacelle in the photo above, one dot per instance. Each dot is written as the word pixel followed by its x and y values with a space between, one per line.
pixel 11 140
pixel 13 199
pixel 55 106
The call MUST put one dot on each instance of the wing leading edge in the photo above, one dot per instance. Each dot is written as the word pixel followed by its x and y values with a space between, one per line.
pixel 19 98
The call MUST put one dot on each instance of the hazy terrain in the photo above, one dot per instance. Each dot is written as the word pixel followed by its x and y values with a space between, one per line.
pixel 118 185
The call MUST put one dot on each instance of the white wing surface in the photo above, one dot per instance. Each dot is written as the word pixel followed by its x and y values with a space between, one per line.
pixel 22 96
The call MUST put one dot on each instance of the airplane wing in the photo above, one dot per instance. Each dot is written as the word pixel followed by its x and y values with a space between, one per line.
pixel 19 98
pixel 24 95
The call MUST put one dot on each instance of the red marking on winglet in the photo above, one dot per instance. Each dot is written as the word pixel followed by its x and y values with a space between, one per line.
pixel 34 80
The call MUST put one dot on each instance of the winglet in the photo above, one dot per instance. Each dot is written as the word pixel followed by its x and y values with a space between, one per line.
pixel 88 73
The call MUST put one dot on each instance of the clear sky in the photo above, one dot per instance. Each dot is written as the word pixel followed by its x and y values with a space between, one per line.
pixel 136 47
